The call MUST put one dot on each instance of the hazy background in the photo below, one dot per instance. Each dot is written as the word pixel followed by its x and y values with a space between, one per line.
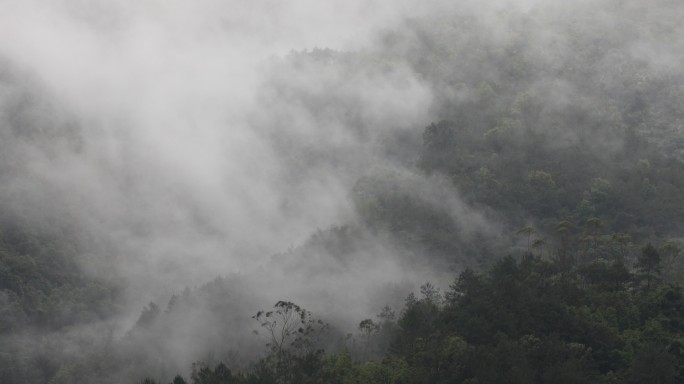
pixel 179 141
pixel 167 133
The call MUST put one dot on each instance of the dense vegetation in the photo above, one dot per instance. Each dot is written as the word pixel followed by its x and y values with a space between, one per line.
pixel 575 153
pixel 528 321
pixel 43 289
pixel 41 284
pixel 547 187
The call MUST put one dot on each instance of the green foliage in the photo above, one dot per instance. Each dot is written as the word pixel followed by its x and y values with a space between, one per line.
pixel 526 321
pixel 530 322
pixel 205 375
pixel 648 264
pixel 572 144
pixel 41 283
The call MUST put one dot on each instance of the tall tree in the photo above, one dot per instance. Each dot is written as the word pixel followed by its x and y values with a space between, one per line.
pixel 527 231
pixel 648 264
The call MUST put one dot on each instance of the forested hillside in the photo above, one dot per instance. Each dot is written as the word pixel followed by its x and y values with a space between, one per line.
pixel 465 192
pixel 531 321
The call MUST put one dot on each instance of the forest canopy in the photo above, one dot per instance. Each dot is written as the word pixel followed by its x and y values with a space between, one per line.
pixel 461 192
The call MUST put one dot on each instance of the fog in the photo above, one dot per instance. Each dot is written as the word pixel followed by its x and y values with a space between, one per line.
pixel 186 141
pixel 181 141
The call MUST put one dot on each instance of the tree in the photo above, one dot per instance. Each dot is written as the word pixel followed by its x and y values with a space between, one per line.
pixel 439 136
pixel 671 250
pixel 527 231
pixel 563 230
pixel 622 240
pixel 653 365
pixel 388 328
pixel 648 264
pixel 539 244
pixel 593 224
pixel 202 374
pixel 289 325
pixel 368 328
pixel 148 315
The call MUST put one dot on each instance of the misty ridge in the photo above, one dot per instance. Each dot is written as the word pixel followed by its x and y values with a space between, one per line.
pixel 300 192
